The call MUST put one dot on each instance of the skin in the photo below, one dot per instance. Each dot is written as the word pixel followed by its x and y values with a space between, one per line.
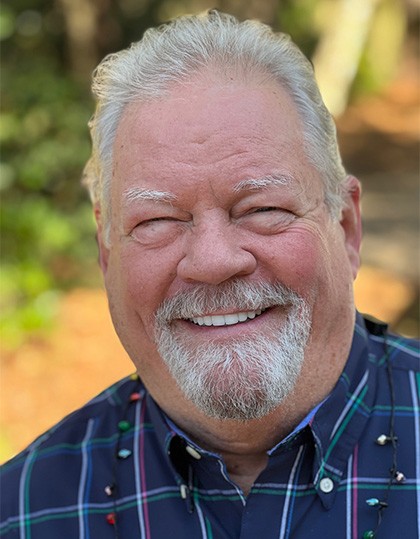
pixel 198 143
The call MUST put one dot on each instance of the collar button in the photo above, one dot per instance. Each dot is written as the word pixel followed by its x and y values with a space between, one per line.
pixel 326 485
pixel 193 452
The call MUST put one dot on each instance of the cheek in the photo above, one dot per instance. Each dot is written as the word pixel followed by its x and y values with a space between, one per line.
pixel 133 293
pixel 140 279
pixel 302 262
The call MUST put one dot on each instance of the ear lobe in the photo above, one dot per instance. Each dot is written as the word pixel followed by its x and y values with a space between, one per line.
pixel 351 222
pixel 103 250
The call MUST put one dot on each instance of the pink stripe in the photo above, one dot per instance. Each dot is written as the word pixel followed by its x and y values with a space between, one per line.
pixel 143 472
pixel 354 487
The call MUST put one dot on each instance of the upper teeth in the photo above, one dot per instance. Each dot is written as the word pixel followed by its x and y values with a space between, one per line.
pixel 225 319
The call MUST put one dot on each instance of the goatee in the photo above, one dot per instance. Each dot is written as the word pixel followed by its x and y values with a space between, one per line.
pixel 240 378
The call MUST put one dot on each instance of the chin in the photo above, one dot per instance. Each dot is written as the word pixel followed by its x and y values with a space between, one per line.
pixel 248 388
pixel 246 407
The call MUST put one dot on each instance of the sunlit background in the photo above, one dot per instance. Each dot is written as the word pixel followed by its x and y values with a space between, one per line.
pixel 58 347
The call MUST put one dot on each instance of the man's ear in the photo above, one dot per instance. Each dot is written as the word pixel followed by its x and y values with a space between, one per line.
pixel 351 221
pixel 103 249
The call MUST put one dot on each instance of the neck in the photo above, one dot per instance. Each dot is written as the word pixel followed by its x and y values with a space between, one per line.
pixel 243 470
pixel 244 445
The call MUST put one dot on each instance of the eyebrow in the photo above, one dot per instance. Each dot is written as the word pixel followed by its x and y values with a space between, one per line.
pixel 255 184
pixel 137 193
pixel 252 184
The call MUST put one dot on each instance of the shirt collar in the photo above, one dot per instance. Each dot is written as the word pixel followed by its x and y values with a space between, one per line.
pixel 339 422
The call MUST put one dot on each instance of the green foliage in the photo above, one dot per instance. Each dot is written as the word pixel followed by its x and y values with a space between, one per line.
pixel 46 223
pixel 296 18
pixel 381 55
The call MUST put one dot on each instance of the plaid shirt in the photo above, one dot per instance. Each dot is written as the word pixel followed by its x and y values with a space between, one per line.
pixel 119 468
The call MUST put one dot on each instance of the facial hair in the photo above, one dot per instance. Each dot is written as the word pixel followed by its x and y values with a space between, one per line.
pixel 240 378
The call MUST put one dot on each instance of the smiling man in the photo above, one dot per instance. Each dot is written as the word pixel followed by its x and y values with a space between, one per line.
pixel 229 238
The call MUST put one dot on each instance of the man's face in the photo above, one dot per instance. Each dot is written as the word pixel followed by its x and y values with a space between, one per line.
pixel 225 272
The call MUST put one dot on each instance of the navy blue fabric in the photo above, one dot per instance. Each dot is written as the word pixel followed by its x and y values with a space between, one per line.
pixel 71 483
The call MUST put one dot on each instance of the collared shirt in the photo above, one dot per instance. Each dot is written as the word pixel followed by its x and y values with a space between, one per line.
pixel 118 468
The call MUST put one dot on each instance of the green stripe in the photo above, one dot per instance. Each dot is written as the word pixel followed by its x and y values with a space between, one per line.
pixel 130 505
pixel 382 360
pixel 283 492
pixel 403 345
pixel 91 511
pixel 362 404
pixel 27 497
pixel 209 531
pixel 343 425
pixel 346 378
pixel 216 497
pixel 94 442
pixel 397 408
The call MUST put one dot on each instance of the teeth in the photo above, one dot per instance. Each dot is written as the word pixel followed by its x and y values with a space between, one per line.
pixel 225 319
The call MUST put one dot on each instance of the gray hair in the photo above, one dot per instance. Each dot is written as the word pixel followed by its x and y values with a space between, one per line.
pixel 173 52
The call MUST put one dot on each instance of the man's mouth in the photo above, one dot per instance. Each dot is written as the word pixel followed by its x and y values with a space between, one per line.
pixel 225 319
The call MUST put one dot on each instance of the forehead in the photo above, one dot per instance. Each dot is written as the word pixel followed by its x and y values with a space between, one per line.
pixel 203 132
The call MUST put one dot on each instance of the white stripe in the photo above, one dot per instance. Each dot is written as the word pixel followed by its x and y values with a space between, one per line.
pixel 136 447
pixel 107 505
pixel 287 496
pixel 238 490
pixel 108 394
pixel 280 486
pixel 200 518
pixel 220 492
pixel 350 403
pixel 349 494
pixel 22 483
pixel 375 480
pixel 399 345
pixel 83 475
pixel 417 442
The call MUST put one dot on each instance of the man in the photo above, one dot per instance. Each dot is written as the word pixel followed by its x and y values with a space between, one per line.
pixel 229 238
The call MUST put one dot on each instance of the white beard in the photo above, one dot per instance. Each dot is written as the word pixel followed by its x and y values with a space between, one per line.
pixel 243 378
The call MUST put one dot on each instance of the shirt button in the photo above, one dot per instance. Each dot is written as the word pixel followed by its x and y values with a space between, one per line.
pixel 193 452
pixel 326 485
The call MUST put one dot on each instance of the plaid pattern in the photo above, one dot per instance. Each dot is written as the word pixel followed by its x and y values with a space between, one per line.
pixel 316 484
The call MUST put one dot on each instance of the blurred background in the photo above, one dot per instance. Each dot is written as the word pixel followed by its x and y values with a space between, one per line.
pixel 58 347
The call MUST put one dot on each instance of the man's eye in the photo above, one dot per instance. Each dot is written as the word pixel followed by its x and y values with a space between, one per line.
pixel 276 211
pixel 268 208
pixel 156 230
pixel 267 219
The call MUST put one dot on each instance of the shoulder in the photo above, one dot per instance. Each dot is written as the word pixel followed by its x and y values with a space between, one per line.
pixel 403 352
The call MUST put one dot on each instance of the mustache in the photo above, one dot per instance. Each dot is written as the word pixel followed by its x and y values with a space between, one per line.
pixel 235 295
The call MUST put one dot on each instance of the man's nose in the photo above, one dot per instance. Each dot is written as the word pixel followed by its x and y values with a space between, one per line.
pixel 213 254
